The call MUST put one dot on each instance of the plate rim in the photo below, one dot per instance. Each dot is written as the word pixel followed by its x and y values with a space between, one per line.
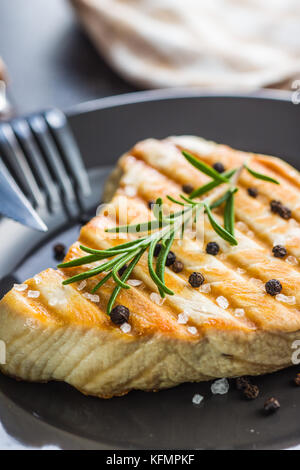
pixel 161 94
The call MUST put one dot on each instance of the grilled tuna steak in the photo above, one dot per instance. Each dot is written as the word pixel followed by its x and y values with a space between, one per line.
pixel 233 327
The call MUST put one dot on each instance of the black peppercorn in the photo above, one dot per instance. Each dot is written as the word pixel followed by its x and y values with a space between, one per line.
pixel 219 167
pixel 119 315
pixel 177 266
pixel 251 392
pixel 59 251
pixel 275 206
pixel 273 287
pixel 157 249
pixel 122 270
pixel 297 380
pixel 196 279
pixel 242 382
pixel 170 258
pixel 187 188
pixel 271 405
pixel 278 208
pixel 279 251
pixel 212 248
pixel 253 192
pixel 285 212
pixel 151 204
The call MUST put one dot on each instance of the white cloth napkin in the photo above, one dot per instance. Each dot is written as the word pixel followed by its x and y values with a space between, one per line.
pixel 240 44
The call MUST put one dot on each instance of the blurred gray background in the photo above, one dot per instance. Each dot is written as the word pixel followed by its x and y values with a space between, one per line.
pixel 49 59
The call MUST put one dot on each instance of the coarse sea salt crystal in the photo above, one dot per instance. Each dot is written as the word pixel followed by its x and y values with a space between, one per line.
pixel 197 399
pixel 192 330
pixel 93 298
pixel 240 271
pixel 287 299
pixel 156 298
pixel 239 312
pixel 220 387
pixel 183 318
pixel 20 287
pixel 130 191
pixel 33 294
pixel 52 302
pixel 82 285
pixel 134 282
pixel 291 260
pixel 205 288
pixel 125 327
pixel 37 279
pixel 222 302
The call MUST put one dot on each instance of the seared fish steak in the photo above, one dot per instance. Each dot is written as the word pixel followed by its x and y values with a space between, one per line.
pixel 229 326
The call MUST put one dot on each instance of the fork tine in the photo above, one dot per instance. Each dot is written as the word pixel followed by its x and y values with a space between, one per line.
pixel 69 150
pixel 16 161
pixel 50 153
pixel 36 162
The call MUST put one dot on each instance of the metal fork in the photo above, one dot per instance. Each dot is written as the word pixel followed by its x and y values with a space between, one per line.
pixel 42 156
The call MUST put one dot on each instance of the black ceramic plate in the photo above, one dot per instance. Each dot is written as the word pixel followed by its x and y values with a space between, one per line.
pixel 34 415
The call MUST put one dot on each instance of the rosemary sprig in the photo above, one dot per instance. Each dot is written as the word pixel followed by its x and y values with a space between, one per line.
pixel 163 229
pixel 131 252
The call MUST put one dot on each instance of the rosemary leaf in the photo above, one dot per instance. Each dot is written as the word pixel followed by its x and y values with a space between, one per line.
pixel 113 249
pixel 208 170
pixel 188 200
pixel 81 276
pixel 152 273
pixel 219 229
pixel 142 227
pixel 79 261
pixel 103 281
pixel 118 266
pixel 260 176
pixel 109 253
pixel 92 272
pixel 162 257
pixel 175 201
pixel 229 214
pixel 211 185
